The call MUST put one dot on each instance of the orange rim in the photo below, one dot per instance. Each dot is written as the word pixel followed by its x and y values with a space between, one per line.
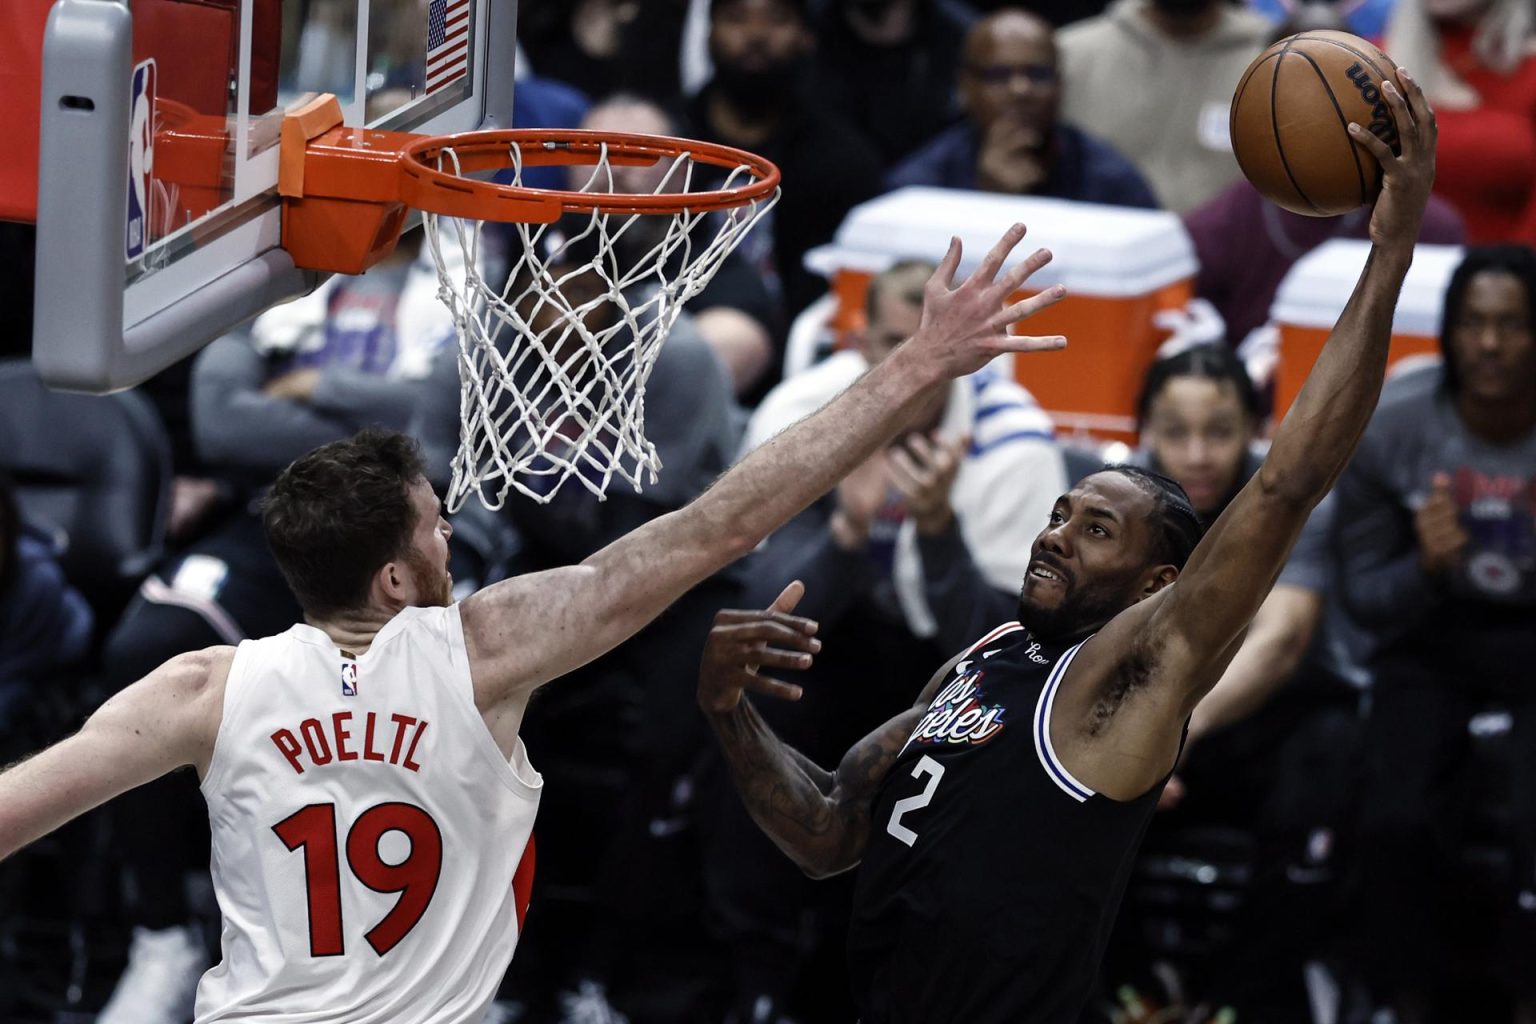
pixel 427 187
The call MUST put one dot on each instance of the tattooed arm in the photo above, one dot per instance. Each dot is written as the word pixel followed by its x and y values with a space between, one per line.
pixel 819 818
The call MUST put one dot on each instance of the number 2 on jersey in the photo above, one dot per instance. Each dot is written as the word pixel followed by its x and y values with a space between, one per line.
pixel 414 878
pixel 935 771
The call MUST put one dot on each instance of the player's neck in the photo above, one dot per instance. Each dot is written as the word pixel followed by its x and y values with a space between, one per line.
pixel 1497 423
pixel 354 631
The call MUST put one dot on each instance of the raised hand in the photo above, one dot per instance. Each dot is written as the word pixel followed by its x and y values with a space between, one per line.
pixel 965 327
pixel 742 642
pixel 1409 175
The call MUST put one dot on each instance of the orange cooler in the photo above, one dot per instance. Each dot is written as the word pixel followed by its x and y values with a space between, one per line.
pixel 1121 267
pixel 1314 294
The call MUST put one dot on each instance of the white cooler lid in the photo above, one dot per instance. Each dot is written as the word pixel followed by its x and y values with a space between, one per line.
pixel 1317 288
pixel 1104 251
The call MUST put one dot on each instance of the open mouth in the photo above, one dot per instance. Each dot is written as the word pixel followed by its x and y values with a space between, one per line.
pixel 1041 571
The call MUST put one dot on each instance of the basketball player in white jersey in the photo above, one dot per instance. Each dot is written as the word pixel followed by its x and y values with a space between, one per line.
pixel 370 800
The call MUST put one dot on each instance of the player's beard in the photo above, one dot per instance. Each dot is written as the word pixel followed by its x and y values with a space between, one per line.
pixel 1081 611
pixel 434 584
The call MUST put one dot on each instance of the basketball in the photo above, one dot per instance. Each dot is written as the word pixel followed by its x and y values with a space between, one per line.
pixel 1291 115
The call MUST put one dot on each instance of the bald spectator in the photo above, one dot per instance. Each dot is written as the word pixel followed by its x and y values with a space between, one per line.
pixel 1155 79
pixel 1011 140
pixel 889 66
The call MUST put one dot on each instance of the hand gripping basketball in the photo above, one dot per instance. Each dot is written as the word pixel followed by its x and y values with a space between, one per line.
pixel 963 328
pixel 1409 176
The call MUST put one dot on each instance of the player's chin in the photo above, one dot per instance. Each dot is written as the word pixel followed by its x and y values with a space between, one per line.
pixel 1043 595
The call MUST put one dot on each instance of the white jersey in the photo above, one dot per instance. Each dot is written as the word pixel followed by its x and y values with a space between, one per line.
pixel 366 832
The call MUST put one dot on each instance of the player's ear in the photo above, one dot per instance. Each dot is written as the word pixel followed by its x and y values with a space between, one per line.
pixel 391 583
pixel 1157 579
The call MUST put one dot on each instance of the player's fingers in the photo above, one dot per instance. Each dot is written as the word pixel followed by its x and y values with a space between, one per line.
pixel 1025 343
pixel 1025 308
pixel 1407 124
pixel 1023 271
pixel 992 262
pixel 788 597
pixel 731 625
pixel 944 274
pixel 1423 113
pixel 1378 149
pixel 770 687
pixel 777 657
pixel 786 634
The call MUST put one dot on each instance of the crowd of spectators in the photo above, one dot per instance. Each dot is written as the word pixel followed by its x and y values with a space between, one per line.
pixel 1351 832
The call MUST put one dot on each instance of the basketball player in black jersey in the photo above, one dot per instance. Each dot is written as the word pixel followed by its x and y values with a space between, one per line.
pixel 997 819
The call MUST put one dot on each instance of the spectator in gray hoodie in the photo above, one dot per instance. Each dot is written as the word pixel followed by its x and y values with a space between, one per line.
pixel 1437 533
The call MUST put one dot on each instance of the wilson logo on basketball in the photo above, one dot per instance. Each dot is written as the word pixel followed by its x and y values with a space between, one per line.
pixel 1381 124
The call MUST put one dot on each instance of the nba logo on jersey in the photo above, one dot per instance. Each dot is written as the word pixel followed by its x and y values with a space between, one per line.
pixel 348 678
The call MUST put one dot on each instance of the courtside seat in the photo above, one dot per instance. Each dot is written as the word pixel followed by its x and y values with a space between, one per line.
pixel 96 470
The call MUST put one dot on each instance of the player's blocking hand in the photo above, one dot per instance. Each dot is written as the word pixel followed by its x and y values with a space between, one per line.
pixel 964 327
pixel 1407 176
pixel 743 642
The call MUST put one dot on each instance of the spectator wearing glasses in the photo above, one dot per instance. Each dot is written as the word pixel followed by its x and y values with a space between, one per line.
pixel 1011 140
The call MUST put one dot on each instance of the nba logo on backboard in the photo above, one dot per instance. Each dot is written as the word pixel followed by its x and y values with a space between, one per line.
pixel 348 678
pixel 141 157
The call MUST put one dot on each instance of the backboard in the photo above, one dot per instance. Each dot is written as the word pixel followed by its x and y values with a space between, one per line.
pixel 158 221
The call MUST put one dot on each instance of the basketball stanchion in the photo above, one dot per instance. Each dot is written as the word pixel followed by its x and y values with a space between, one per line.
pixel 553 361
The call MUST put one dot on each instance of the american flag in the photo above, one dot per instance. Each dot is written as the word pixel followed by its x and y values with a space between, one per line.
pixel 447 42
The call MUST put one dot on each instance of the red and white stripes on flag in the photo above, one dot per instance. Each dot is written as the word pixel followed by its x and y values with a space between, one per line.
pixel 447 42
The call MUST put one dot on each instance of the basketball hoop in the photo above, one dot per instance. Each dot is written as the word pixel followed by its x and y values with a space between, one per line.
pixel 553 362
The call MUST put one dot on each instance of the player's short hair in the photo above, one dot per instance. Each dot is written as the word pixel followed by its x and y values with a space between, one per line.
pixel 904 279
pixel 1518 261
pixel 1212 362
pixel 1176 528
pixel 340 513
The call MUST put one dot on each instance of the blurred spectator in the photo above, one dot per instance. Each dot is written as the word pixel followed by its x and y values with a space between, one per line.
pixel 1058 12
pixel 352 354
pixel 734 313
pixel 981 467
pixel 1476 60
pixel 604 46
pixel 1437 536
pixel 1365 18
pixel 889 66
pixel 1246 245
pixel 45 625
pixel 1154 79
pixel 761 51
pixel 1011 140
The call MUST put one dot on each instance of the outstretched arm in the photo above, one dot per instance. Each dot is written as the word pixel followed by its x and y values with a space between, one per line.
pixel 523 632
pixel 165 720
pixel 1159 658
pixel 819 819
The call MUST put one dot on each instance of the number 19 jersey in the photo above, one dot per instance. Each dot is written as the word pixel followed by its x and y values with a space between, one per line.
pixel 368 835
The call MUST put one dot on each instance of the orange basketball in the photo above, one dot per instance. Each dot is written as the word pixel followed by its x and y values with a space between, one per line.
pixel 1291 115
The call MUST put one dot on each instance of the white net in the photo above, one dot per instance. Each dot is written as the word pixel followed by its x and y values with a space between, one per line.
pixel 553 361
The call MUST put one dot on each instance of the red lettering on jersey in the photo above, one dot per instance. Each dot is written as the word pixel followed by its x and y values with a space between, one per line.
pixel 314 739
pixel 338 727
pixel 369 754
pixel 402 723
pixel 421 727
pixel 289 747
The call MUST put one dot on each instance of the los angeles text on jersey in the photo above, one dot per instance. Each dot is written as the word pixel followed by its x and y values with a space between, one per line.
pixel 367 737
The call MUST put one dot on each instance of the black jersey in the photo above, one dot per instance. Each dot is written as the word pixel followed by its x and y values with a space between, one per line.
pixel 992 877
